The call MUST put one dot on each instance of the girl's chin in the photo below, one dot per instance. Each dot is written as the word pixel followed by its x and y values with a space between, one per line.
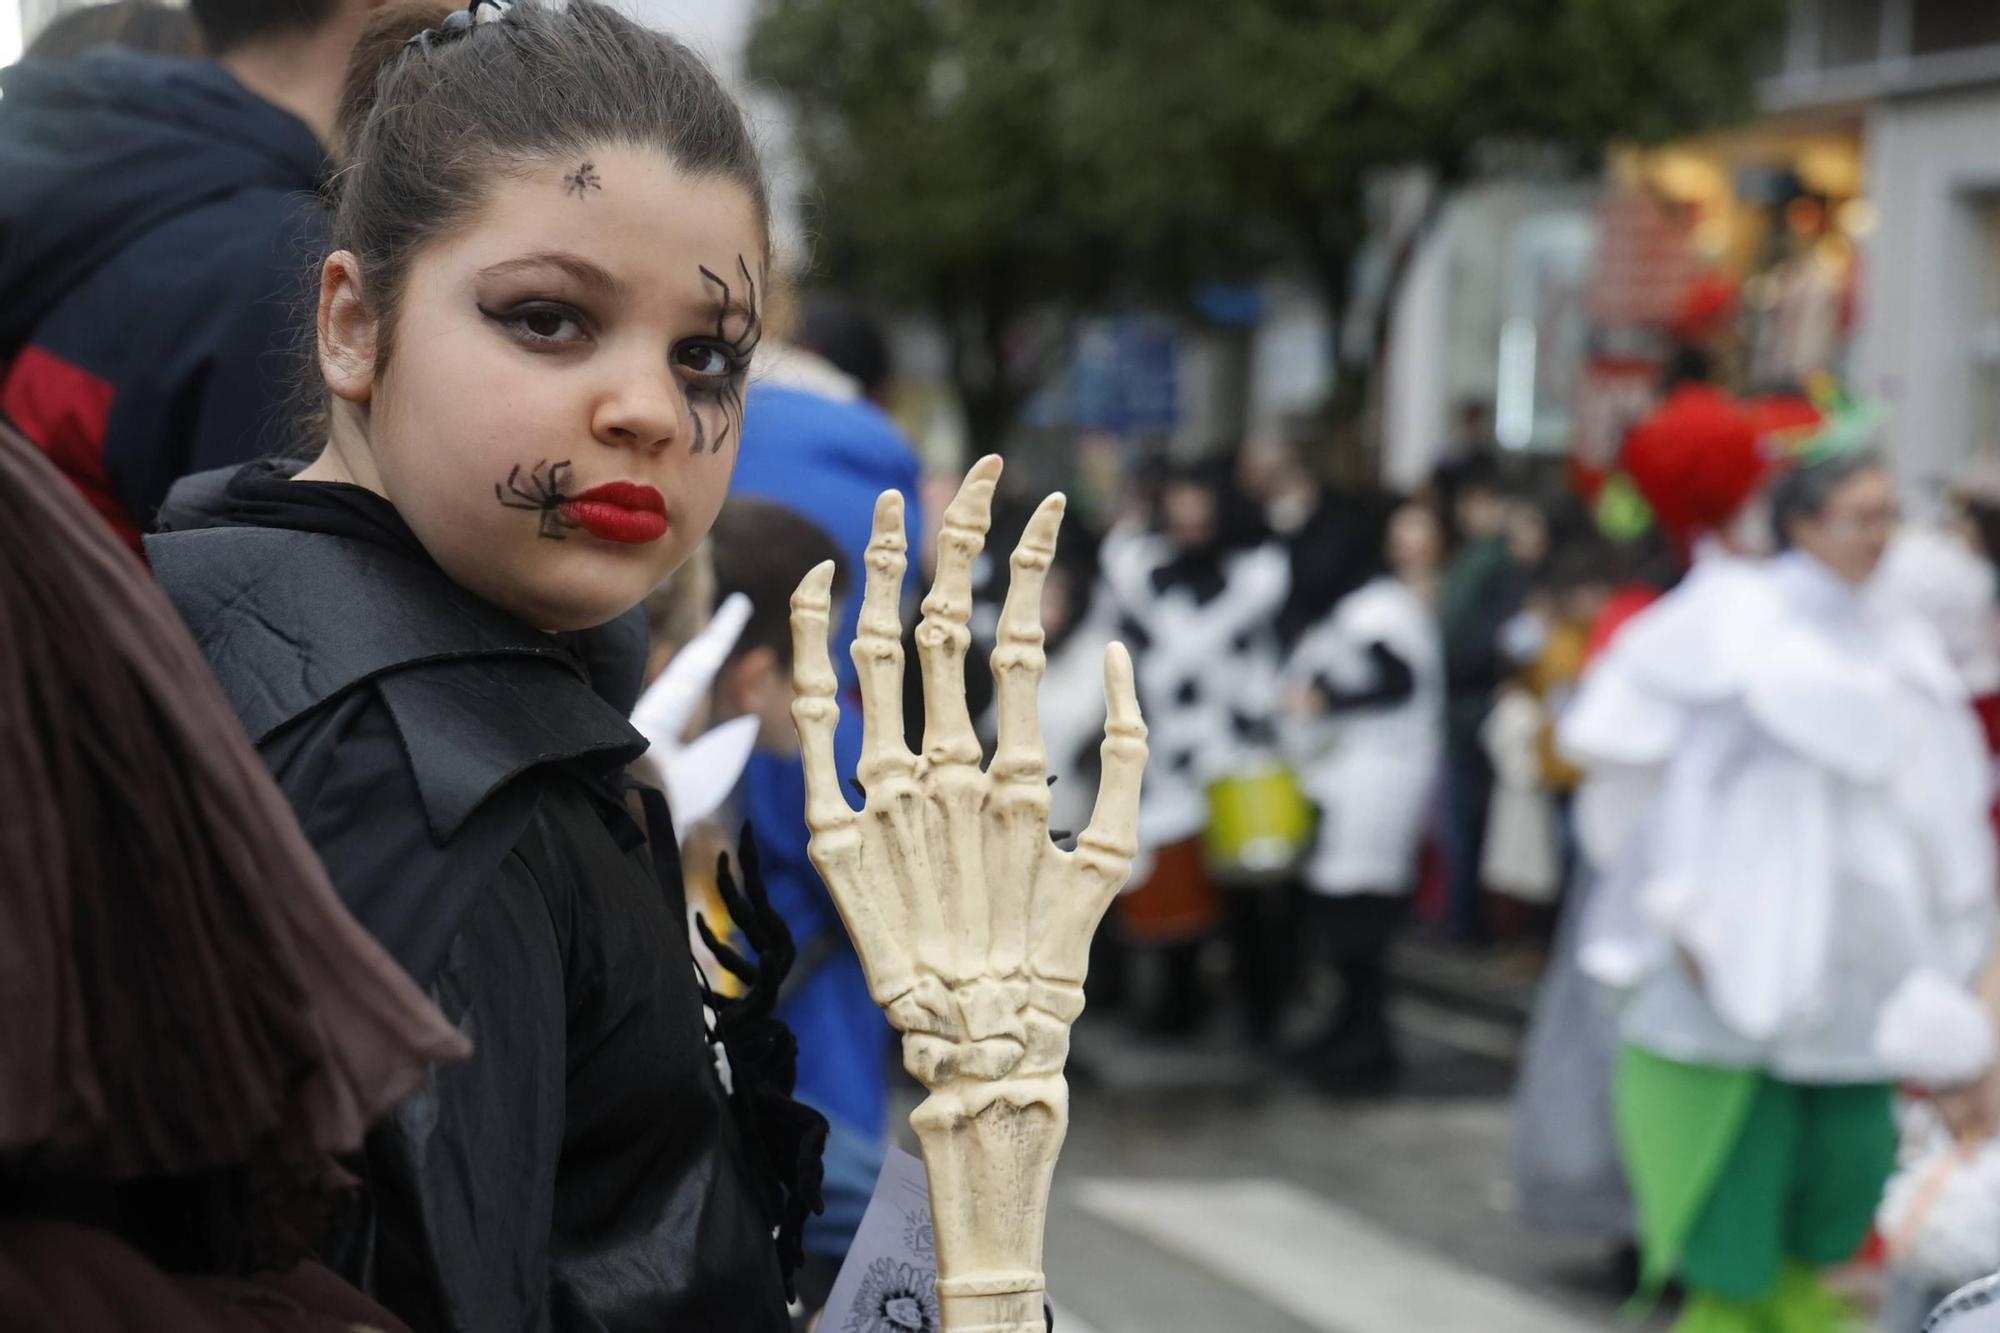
pixel 556 610
pixel 571 586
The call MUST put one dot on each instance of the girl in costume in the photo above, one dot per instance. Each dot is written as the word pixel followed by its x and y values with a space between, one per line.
pixel 549 266
pixel 1786 806
pixel 1365 695
pixel 1195 602
pixel 194 1025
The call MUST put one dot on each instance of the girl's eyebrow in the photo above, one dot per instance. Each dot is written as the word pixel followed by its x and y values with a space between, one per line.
pixel 575 266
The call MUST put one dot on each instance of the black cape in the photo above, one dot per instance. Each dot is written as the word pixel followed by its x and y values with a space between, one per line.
pixel 461 779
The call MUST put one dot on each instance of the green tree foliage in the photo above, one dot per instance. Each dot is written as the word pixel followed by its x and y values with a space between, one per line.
pixel 991 157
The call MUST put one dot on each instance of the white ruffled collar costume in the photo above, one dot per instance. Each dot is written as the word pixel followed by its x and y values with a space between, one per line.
pixel 1787 800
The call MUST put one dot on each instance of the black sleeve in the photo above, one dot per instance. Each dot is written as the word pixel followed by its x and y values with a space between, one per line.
pixel 1394 682
pixel 461 1178
pixel 453 1233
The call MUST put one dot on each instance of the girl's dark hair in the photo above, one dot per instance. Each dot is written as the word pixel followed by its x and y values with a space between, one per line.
pixel 449 116
pixel 1341 548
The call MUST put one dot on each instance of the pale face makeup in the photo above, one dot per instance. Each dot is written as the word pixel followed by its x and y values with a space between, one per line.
pixel 1851 534
pixel 560 412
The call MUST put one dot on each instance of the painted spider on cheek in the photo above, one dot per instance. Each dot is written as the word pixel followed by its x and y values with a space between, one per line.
pixel 545 493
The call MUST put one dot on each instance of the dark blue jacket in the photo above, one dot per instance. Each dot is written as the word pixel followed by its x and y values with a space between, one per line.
pixel 157 236
pixel 826 460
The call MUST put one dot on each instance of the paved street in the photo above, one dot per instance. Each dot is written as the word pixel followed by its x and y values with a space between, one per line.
pixel 1198 1194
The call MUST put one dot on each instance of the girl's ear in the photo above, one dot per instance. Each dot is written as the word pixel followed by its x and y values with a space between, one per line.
pixel 347 330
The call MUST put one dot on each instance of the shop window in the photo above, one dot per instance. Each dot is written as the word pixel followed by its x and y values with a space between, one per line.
pixel 1850 32
pixel 1953 25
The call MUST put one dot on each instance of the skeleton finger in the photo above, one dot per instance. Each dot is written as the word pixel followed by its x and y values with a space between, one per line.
pixel 1020 793
pixel 878 650
pixel 877 923
pixel 944 634
pixel 1103 857
pixel 954 787
pixel 816 710
pixel 1018 659
pixel 887 773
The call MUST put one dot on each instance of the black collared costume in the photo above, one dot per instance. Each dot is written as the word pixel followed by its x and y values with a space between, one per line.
pixel 463 781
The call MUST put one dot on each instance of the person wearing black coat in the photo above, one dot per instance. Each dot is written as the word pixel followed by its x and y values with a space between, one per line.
pixel 462 777
pixel 534 331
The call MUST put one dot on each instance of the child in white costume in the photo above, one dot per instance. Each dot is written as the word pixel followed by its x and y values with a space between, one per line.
pixel 1366 700
pixel 1787 801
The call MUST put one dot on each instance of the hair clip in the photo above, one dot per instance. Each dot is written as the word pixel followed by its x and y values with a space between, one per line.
pixel 458 23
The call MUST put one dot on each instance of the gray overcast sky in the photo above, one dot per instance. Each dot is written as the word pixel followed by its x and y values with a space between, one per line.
pixel 713 27
pixel 717 29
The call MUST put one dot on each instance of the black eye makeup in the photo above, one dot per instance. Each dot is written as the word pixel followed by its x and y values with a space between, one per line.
pixel 738 328
pixel 710 362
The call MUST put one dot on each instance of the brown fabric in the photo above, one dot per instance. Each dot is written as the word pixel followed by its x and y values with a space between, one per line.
pixel 184 991
pixel 1178 902
pixel 59 1278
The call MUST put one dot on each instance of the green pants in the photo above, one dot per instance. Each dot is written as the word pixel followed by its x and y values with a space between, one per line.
pixel 1734 1172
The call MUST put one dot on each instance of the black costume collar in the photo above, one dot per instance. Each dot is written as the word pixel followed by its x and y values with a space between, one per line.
pixel 292 619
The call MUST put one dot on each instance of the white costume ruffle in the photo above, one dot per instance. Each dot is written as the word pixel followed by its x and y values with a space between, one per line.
pixel 1786 797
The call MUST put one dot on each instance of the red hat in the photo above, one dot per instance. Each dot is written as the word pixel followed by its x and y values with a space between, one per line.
pixel 1782 412
pixel 1696 459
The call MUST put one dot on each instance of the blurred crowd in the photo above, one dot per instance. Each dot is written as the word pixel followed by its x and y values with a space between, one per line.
pixel 1374 718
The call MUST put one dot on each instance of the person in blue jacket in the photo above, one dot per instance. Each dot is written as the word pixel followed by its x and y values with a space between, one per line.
pixel 158 229
pixel 815 443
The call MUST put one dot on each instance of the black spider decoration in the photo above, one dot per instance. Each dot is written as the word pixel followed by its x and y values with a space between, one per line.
pixel 742 343
pixel 546 493
pixel 583 179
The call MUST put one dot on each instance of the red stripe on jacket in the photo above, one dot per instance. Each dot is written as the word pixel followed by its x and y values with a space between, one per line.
pixel 63 409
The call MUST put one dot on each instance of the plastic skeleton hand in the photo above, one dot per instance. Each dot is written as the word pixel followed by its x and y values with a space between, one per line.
pixel 972 926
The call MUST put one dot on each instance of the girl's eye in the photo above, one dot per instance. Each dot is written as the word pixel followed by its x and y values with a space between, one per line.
pixel 542 324
pixel 708 360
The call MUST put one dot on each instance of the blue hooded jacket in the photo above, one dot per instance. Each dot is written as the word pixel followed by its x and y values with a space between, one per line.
pixel 158 230
pixel 826 460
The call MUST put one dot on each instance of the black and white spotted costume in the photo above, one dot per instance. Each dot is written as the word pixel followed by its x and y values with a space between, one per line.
pixel 1204 645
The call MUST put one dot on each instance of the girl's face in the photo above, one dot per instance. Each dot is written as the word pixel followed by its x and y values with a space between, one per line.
pixel 1416 541
pixel 1851 532
pixel 563 401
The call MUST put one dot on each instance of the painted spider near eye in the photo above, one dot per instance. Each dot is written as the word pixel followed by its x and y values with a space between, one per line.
pixel 546 493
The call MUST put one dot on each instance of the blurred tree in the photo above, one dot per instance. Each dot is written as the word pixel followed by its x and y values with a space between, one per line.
pixel 929 128
pixel 991 159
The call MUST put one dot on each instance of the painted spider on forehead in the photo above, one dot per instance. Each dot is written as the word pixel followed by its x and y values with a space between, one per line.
pixel 742 343
pixel 546 493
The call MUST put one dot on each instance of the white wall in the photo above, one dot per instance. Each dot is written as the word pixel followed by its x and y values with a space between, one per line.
pixel 1929 160
pixel 1444 337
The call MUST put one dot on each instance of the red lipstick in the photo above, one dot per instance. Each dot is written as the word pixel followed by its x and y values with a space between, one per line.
pixel 620 511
